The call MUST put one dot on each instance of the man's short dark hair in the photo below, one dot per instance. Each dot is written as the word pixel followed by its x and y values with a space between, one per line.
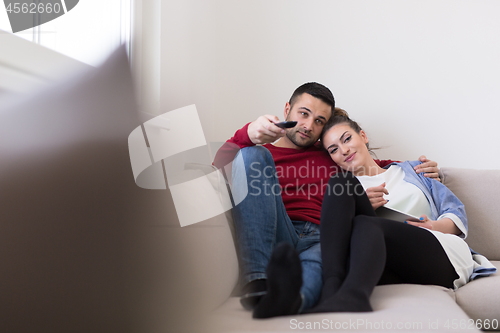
pixel 316 90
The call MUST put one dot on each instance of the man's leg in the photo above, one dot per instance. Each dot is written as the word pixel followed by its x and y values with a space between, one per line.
pixel 284 281
pixel 294 280
pixel 312 270
pixel 260 219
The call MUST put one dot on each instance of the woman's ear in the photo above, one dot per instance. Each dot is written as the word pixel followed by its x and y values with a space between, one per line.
pixel 363 135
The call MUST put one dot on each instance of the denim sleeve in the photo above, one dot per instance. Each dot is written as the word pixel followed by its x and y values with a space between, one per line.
pixel 447 203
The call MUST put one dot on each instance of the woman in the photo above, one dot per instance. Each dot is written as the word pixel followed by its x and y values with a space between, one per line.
pixel 361 250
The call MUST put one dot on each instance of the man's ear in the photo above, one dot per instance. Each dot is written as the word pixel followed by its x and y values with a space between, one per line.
pixel 288 107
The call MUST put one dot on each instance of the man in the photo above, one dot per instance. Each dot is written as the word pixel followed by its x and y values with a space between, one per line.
pixel 286 181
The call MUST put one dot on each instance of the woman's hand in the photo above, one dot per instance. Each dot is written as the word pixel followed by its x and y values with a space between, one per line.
pixel 376 195
pixel 428 167
pixel 446 225
pixel 424 222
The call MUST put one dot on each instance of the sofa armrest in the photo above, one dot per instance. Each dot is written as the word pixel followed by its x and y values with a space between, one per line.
pixel 478 190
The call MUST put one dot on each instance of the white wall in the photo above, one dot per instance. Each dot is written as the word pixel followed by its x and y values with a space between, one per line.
pixel 421 76
pixel 145 53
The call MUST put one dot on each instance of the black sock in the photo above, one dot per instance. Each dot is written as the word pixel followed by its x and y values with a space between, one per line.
pixel 284 279
pixel 253 292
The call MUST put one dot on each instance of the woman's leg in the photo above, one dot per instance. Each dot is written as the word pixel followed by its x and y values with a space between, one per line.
pixel 415 255
pixel 357 249
pixel 366 263
pixel 412 253
pixel 343 200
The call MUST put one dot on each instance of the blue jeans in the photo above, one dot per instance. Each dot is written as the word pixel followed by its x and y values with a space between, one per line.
pixel 261 222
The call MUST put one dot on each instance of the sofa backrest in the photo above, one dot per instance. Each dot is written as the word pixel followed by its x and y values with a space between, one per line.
pixel 479 192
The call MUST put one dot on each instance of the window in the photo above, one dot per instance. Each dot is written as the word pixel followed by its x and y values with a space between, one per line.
pixel 88 32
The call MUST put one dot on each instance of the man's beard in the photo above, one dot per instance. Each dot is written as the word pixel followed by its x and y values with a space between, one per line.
pixel 292 133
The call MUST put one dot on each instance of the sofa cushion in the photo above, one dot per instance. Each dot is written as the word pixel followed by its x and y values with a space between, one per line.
pixel 414 308
pixel 480 298
pixel 478 190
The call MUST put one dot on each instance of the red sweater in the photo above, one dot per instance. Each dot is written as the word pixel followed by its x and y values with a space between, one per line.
pixel 303 174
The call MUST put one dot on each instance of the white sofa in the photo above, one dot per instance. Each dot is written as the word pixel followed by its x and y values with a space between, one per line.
pixel 415 308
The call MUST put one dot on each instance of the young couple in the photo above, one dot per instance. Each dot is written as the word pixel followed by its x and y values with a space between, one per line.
pixel 286 266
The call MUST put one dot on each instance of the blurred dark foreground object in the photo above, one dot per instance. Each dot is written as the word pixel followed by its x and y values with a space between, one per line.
pixel 82 248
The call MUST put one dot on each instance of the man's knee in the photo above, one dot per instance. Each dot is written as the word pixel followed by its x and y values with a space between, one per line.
pixel 258 162
pixel 254 174
pixel 257 154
